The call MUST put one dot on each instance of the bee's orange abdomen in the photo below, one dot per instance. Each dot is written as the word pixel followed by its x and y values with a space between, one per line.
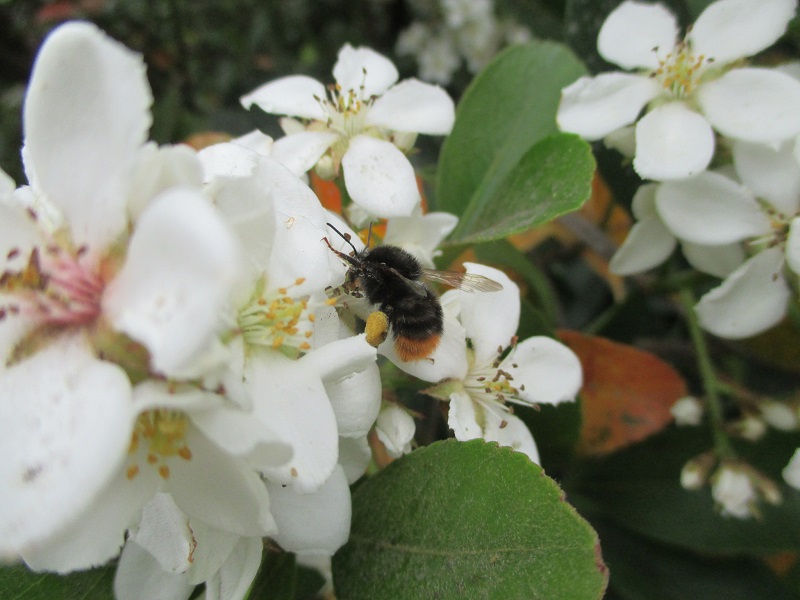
pixel 409 349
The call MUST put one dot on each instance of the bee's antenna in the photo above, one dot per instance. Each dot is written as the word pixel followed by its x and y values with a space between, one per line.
pixel 346 238
pixel 369 233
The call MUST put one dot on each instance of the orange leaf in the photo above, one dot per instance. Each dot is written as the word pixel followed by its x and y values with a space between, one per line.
pixel 626 395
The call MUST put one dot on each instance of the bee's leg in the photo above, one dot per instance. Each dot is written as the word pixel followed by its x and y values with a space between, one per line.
pixel 377 328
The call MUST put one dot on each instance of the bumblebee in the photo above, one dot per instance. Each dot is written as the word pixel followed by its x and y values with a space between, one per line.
pixel 393 282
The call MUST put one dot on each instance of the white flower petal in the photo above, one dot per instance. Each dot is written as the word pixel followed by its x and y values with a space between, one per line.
pixel 395 429
pixel 752 299
pixel 364 70
pixel 635 34
pixel 379 177
pixel 140 577
pixel 257 141
pixel 299 152
pixel 85 116
pixel 354 457
pixel 412 105
pixel 731 29
pixel 182 263
pixel 340 359
pixel 462 418
pixel 719 261
pixel 512 432
pixel 294 96
pixel 756 105
pixel 99 532
pixel 234 578
pixel 220 490
pixel 710 209
pixel 317 523
pixel 292 399
pixel 791 473
pixel 649 243
pixel 793 246
pixel 549 371
pixel 7 184
pixel 490 318
pixel 623 140
pixel 420 234
pixel 593 107
pixel 228 160
pixel 772 174
pixel 65 426
pixel 672 142
pixel 356 400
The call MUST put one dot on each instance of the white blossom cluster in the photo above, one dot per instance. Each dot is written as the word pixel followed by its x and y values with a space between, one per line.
pixel 176 383
pixel 718 142
pixel 451 32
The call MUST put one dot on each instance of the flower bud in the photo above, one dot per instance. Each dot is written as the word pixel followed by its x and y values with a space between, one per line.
pixel 687 411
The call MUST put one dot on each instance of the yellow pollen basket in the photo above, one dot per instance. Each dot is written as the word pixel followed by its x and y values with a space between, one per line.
pixel 162 433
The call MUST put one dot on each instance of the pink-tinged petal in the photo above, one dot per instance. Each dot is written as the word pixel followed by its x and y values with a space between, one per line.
pixel 719 261
pixel 364 71
pixel 294 96
pixel 292 399
pixel 510 431
pixel 299 152
pixel 755 105
pixel 379 177
pixel 462 417
pixel 649 243
pixel 549 371
pixel 593 107
pixel 751 300
pixel 317 523
pixel 490 319
pixel 635 34
pixel 395 429
pixel 159 168
pixel 182 263
pixel 234 578
pixel 86 114
pixel 99 533
pixel 710 209
pixel 448 361
pixel 771 174
pixel 219 490
pixel 672 142
pixel 140 577
pixel 412 105
pixel 793 246
pixel 356 400
pixel 355 456
pixel 65 426
pixel 731 29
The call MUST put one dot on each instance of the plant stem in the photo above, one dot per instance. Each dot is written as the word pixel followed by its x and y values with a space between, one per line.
pixel 722 444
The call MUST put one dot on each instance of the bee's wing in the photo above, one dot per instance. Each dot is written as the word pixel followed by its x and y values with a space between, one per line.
pixel 469 282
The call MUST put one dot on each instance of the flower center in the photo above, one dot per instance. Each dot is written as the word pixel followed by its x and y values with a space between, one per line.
pixel 161 435
pixel 277 321
pixel 346 109
pixel 679 71
pixel 53 288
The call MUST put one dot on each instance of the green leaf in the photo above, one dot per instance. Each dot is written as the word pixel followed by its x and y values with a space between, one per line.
pixel 459 520
pixel 553 178
pixel 19 583
pixel 280 578
pixel 639 488
pixel 643 570
pixel 508 108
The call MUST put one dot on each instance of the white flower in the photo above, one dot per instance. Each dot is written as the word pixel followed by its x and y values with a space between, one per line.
pixel 494 372
pixel 791 473
pixel 734 492
pixel 650 242
pixel 420 234
pixel 687 411
pixel 395 429
pixel 685 84
pixel 87 305
pixel 763 211
pixel 359 122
